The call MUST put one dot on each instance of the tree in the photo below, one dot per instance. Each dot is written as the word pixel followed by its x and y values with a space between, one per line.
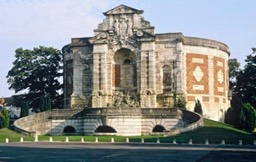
pixel 246 81
pixel 45 103
pixel 248 117
pixel 1 121
pixel 232 116
pixel 233 71
pixel 37 72
pixel 198 107
pixel 24 111
pixel 4 118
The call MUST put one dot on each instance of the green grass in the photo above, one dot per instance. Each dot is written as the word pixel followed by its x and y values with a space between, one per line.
pixel 213 131
pixel 12 136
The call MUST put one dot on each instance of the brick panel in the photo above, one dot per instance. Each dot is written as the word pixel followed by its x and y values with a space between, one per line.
pixel 205 99
pixel 219 76
pixel 116 75
pixel 191 98
pixel 197 64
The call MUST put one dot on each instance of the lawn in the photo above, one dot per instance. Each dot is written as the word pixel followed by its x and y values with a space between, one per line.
pixel 213 131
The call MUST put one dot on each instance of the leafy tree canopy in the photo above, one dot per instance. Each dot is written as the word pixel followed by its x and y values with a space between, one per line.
pixel 233 71
pixel 246 81
pixel 37 71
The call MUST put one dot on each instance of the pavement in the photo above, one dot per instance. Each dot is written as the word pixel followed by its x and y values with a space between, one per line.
pixel 86 152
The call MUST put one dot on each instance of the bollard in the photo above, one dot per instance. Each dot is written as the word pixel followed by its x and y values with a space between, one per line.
pixel 82 139
pixel 50 139
pixel 240 142
pixel 112 140
pixel 127 140
pixel 21 139
pixel 6 140
pixel 222 142
pixel 66 140
pixel 190 142
pixel 96 139
pixel 36 138
pixel 142 140
pixel 158 140
pixel 174 141
pixel 206 142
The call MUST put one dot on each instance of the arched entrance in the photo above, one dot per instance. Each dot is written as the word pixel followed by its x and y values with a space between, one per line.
pixel 158 129
pixel 124 70
pixel 69 130
pixel 105 129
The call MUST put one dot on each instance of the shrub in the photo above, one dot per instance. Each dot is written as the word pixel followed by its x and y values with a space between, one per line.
pixel 181 103
pixel 198 107
pixel 247 117
pixel 4 118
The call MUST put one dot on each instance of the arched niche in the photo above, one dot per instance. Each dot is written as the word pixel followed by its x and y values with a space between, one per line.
pixel 167 78
pixel 124 72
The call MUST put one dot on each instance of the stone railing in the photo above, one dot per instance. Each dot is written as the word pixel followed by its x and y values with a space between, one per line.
pixel 33 124
pixel 66 113
pixel 160 111
pixel 192 121
pixel 132 111
pixel 112 111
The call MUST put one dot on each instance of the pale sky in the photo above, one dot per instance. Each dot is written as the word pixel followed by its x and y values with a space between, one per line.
pixel 52 23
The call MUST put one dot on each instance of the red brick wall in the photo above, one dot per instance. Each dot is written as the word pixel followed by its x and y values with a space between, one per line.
pixel 191 80
pixel 116 75
pixel 217 84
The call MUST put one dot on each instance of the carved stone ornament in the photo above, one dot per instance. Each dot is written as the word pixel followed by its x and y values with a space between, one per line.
pixel 123 31
pixel 126 99
pixel 139 33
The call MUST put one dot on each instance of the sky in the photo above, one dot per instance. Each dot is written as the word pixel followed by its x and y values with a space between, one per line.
pixel 52 23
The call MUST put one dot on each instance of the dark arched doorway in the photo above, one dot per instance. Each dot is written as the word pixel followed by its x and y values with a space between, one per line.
pixel 105 129
pixel 158 128
pixel 69 130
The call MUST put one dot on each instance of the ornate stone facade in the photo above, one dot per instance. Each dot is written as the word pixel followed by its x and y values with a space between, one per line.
pixel 126 65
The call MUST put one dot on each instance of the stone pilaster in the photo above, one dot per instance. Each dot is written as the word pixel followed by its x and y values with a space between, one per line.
pixel 179 69
pixel 76 101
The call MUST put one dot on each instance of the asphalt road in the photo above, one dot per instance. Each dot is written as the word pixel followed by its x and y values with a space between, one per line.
pixel 84 152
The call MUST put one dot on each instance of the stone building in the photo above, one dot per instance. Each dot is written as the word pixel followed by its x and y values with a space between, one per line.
pixel 126 65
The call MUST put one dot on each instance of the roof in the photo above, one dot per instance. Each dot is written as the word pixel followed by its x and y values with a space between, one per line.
pixel 122 9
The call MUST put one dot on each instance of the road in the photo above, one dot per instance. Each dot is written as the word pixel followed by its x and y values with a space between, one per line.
pixel 84 152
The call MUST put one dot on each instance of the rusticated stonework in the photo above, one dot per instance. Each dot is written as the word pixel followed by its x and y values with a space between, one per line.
pixel 125 64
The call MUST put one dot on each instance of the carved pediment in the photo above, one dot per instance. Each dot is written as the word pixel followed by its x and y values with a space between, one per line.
pixel 122 9
pixel 122 26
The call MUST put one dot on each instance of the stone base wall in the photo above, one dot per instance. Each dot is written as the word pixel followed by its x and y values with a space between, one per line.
pixel 168 123
pixel 59 125
pixel 126 125
pixel 124 122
